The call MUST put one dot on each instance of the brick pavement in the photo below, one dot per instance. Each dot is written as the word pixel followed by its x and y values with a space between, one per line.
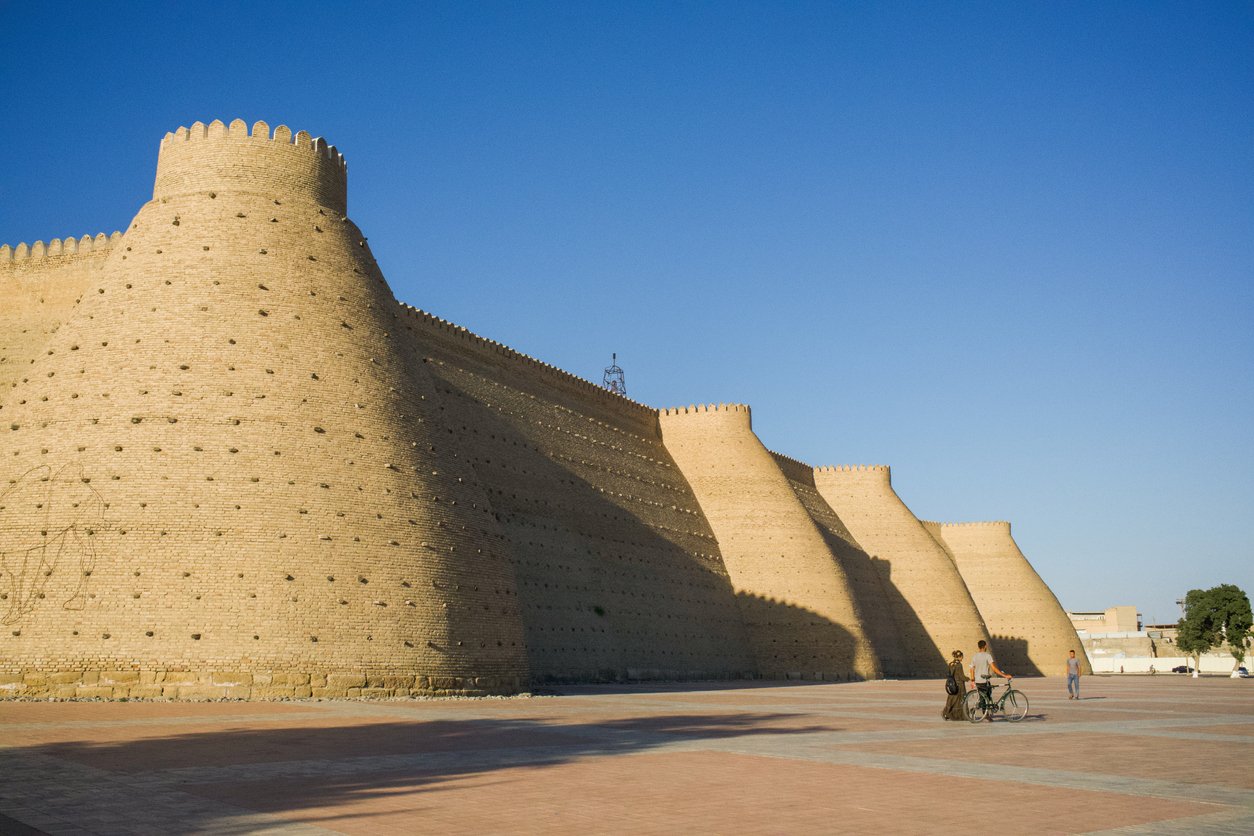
pixel 1139 755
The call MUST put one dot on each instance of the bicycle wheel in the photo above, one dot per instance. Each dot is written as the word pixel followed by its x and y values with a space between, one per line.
pixel 976 710
pixel 1015 705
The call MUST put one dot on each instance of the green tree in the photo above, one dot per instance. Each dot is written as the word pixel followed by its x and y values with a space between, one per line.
pixel 1214 617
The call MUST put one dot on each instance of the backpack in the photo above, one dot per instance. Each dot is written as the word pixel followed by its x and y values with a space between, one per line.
pixel 951 684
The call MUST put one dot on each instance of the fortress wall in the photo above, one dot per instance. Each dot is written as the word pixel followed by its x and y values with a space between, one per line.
pixel 870 596
pixel 797 602
pixel 232 465
pixel 1031 632
pixel 931 605
pixel 227 478
pixel 39 285
pixel 619 573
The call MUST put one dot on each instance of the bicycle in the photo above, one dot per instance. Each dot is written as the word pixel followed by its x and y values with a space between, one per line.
pixel 1012 703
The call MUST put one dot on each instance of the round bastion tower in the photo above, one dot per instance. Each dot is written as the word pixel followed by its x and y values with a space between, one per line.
pixel 226 474
pixel 931 604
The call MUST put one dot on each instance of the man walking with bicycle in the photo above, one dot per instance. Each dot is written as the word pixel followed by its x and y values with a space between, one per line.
pixel 982 670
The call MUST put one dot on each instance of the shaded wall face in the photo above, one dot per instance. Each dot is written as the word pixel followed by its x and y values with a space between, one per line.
pixel 261 495
pixel 798 606
pixel 1031 633
pixel 619 575
pixel 932 607
pixel 871 598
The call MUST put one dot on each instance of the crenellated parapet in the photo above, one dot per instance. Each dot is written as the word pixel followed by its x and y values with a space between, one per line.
pixel 705 409
pixel 794 469
pixel 231 158
pixel 731 416
pixel 1002 525
pixel 854 474
pixel 56 248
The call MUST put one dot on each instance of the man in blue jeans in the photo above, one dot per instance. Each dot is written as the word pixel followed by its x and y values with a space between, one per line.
pixel 1073 677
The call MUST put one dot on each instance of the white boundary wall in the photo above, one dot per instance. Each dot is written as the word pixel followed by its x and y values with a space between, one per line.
pixel 1117 662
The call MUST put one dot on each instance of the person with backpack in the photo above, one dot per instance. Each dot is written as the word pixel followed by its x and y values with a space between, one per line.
pixel 955 689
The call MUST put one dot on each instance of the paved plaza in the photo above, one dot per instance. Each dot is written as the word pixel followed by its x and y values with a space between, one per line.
pixel 1148 755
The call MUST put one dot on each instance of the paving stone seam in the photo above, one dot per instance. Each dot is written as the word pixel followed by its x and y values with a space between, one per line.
pixel 1231 822
pixel 1098 782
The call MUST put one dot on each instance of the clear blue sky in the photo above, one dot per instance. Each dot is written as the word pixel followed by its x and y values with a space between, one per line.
pixel 1006 248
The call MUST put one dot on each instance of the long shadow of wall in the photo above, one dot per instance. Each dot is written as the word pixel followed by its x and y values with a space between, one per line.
pixel 310 774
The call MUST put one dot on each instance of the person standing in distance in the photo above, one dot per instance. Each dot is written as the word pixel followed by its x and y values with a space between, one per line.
pixel 982 670
pixel 1073 676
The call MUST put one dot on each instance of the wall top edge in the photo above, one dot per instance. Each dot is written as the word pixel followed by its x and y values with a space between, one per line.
pixel 501 348
pixel 791 460
pixel 239 131
pixel 853 468
pixel 58 247
pixel 693 409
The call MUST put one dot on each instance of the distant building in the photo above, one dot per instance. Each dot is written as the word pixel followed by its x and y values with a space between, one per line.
pixel 1110 620
pixel 1118 641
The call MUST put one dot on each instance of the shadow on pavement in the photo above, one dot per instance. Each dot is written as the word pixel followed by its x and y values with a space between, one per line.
pixel 318 769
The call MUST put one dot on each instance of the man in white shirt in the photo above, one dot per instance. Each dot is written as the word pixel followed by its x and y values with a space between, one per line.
pixel 982 670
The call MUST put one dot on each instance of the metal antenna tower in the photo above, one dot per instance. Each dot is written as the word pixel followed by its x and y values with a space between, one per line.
pixel 613 379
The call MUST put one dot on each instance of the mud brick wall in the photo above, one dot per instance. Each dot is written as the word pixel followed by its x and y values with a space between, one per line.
pixel 796 599
pixel 871 594
pixel 1031 631
pixel 232 464
pixel 932 606
pixel 619 573
pixel 226 459
pixel 40 286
